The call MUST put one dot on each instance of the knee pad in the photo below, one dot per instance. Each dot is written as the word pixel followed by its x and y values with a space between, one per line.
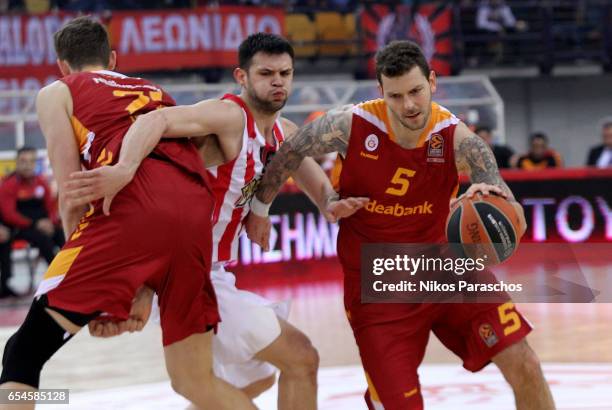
pixel 38 338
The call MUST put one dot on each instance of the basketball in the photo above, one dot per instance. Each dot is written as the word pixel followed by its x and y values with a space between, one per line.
pixel 486 227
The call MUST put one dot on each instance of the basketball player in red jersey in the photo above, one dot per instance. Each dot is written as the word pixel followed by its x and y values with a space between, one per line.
pixel 406 150
pixel 241 133
pixel 154 237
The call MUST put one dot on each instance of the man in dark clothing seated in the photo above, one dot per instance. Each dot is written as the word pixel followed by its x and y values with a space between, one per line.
pixel 600 156
pixel 28 207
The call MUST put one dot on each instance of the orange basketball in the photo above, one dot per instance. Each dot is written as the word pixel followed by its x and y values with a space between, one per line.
pixel 486 227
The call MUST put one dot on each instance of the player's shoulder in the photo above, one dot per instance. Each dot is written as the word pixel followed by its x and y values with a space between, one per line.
pixel 289 127
pixel 57 92
pixel 224 107
pixel 375 107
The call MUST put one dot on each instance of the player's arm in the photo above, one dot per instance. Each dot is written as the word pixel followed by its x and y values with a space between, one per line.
pixel 54 109
pixel 474 157
pixel 204 118
pixel 314 182
pixel 328 133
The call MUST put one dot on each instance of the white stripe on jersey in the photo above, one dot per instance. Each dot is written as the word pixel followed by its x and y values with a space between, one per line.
pixel 233 192
pixel 370 118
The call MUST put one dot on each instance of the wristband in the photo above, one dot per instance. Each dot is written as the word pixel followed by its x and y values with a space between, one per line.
pixel 259 208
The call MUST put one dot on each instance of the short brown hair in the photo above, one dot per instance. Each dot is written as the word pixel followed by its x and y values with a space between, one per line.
pixel 82 41
pixel 399 57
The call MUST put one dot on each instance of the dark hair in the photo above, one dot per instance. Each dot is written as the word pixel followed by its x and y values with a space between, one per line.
pixel 82 41
pixel 606 125
pixel 25 148
pixel 481 129
pixel 538 135
pixel 262 42
pixel 399 57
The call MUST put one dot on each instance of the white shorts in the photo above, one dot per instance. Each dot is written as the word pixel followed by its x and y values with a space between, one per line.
pixel 249 323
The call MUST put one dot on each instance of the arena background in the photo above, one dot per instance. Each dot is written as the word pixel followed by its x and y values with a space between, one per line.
pixel 549 73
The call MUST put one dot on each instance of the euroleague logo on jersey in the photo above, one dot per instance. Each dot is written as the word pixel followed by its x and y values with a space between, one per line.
pixel 435 148
pixel 371 142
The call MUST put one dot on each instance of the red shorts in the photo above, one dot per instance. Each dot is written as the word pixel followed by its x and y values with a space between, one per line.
pixel 392 338
pixel 159 233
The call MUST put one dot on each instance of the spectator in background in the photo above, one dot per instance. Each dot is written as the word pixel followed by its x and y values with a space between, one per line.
pixel 495 16
pixel 6 265
pixel 600 156
pixel 540 156
pixel 502 153
pixel 28 207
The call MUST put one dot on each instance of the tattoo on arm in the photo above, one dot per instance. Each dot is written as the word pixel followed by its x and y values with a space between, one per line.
pixel 475 156
pixel 329 133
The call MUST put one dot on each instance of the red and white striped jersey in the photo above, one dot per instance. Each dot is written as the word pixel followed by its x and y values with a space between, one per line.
pixel 235 182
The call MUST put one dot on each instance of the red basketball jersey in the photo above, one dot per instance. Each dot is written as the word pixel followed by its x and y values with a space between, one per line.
pixel 105 104
pixel 409 189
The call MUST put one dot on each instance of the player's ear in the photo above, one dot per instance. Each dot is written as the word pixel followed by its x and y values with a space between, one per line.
pixel 432 81
pixel 112 60
pixel 240 76
pixel 64 67
pixel 380 90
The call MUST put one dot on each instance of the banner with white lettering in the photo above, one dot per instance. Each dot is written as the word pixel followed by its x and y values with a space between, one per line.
pixel 174 39
pixel 144 40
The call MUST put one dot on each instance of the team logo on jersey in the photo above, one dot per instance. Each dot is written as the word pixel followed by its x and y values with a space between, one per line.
pixel 371 142
pixel 488 334
pixel 435 148
pixel 247 193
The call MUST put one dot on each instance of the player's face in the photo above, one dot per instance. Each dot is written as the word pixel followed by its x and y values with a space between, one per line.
pixel 26 164
pixel 409 97
pixel 268 81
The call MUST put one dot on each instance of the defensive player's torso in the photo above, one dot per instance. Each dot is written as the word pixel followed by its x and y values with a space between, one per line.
pixel 409 189
pixel 105 104
pixel 234 183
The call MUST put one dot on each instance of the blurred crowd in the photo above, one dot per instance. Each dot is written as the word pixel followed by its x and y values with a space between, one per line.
pixel 540 153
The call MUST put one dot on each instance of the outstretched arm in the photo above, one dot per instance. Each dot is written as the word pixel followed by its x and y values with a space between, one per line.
pixel 204 118
pixel 328 133
pixel 315 183
pixel 473 156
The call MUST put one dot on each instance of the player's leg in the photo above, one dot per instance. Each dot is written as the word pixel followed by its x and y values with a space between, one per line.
pixel 521 368
pixel 252 390
pixel 24 354
pixel 480 333
pixel 256 388
pixel 298 362
pixel 391 340
pixel 188 307
pixel 189 365
pixel 252 336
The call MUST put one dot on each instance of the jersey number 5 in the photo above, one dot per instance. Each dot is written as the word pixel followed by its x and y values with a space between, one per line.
pixel 509 317
pixel 401 182
pixel 140 98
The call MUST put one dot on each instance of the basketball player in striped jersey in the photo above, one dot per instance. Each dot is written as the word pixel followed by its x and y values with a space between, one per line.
pixel 241 133
pixel 404 151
